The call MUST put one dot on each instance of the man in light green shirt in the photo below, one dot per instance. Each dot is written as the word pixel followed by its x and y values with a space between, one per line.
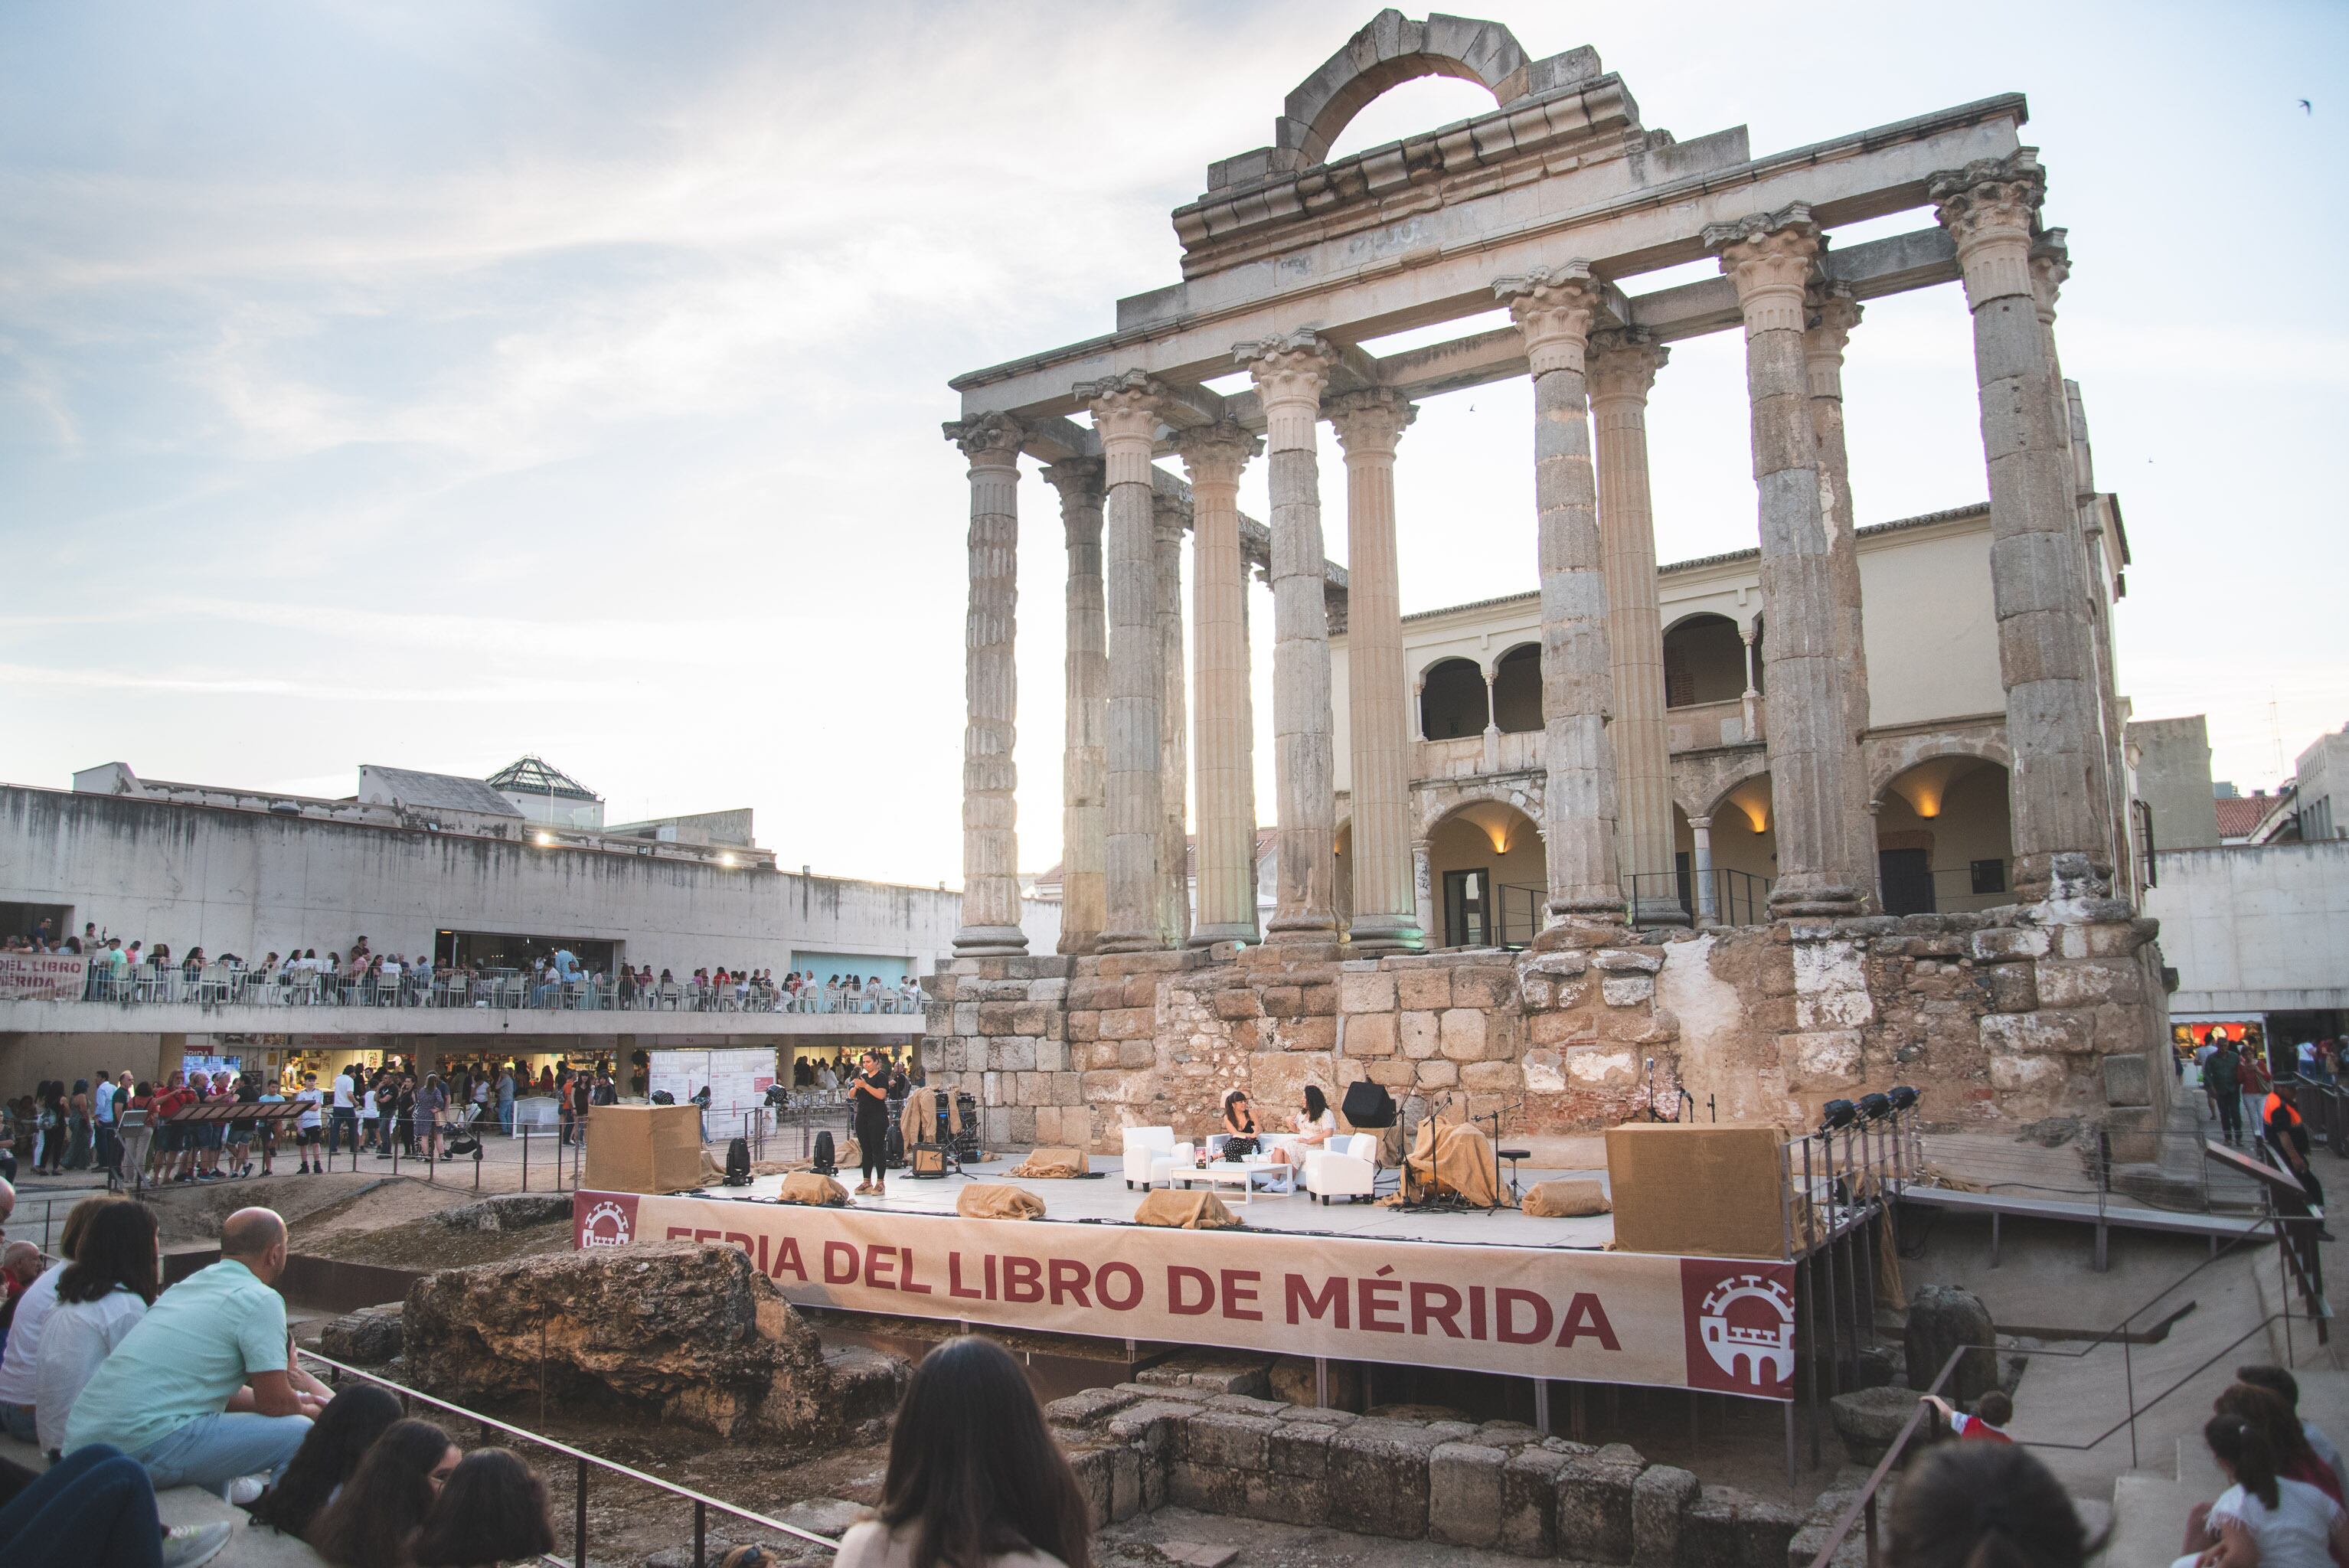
pixel 204 1391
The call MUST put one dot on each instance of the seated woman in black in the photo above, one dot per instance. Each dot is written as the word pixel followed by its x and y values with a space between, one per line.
pixel 1239 1126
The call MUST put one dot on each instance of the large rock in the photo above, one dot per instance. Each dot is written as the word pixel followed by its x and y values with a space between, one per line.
pixel 1867 1420
pixel 367 1337
pixel 508 1212
pixel 1940 1318
pixel 1594 1504
pixel 1661 1500
pixel 673 1331
pixel 1730 1528
pixel 1378 1477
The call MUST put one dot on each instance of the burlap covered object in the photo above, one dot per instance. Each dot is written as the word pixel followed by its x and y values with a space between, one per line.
pixel 807 1187
pixel 994 1200
pixel 1052 1165
pixel 1566 1199
pixel 1453 1158
pixel 1192 1210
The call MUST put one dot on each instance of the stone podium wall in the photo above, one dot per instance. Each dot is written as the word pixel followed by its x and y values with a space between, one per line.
pixel 2003 1016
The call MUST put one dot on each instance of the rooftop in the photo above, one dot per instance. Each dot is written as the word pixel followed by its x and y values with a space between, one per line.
pixel 439 791
pixel 535 776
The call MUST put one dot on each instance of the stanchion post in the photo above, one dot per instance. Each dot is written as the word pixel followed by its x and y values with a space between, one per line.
pixel 525 1159
pixel 579 1520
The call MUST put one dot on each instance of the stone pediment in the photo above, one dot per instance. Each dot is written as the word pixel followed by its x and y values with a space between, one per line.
pixel 1559 111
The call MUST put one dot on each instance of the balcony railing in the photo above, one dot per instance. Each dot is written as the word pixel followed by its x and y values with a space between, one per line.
pixel 219 985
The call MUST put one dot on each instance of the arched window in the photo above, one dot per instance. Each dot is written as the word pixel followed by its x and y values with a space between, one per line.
pixel 1452 700
pixel 1517 689
pixel 1704 661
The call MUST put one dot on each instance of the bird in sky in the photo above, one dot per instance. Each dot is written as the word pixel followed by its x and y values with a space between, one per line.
pixel 2306 107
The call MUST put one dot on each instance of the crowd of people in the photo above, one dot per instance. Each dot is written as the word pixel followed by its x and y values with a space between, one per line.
pixel 129 1390
pixel 129 972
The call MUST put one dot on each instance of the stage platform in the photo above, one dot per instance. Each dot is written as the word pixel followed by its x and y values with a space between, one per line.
pixel 1104 1200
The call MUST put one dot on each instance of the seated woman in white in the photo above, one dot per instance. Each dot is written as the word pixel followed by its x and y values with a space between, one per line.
pixel 114 1278
pixel 2261 1520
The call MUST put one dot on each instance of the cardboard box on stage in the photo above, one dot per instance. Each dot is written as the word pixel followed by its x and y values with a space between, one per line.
pixel 645 1148
pixel 1706 1192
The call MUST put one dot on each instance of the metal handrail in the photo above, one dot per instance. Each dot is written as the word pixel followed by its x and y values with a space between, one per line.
pixel 702 1503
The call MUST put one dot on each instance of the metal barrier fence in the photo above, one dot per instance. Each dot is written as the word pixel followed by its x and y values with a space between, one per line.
pixel 1739 898
pixel 220 985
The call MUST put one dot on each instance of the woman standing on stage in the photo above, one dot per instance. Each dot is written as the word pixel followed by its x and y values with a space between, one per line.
pixel 869 1093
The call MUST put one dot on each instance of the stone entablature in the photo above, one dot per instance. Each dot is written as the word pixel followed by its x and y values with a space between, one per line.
pixel 2007 1015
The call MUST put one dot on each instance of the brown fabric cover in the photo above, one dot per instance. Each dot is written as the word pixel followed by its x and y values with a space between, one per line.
pixel 1192 1210
pixel 920 1121
pixel 1452 1156
pixel 807 1187
pixel 1052 1164
pixel 1566 1200
pixel 993 1201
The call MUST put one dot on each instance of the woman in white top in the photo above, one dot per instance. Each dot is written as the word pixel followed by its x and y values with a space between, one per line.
pixel 114 1278
pixel 2262 1520
pixel 975 1479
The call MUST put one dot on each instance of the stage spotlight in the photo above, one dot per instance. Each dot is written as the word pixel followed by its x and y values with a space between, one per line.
pixel 1837 1114
pixel 1873 1107
pixel 1901 1096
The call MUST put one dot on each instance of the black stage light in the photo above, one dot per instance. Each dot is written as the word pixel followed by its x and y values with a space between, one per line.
pixel 1837 1114
pixel 1873 1107
pixel 1901 1096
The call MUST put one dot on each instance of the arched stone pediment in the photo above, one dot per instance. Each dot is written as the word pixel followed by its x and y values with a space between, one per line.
pixel 1392 49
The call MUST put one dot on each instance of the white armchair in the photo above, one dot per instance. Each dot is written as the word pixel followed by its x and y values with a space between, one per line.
pixel 1143 1146
pixel 1348 1168
pixel 1182 1157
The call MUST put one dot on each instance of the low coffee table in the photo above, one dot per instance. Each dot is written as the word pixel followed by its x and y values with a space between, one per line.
pixel 1229 1174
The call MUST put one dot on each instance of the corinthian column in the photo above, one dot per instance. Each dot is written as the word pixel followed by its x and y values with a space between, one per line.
pixel 1173 751
pixel 990 839
pixel 1084 765
pixel 1623 366
pixel 1812 754
pixel 1553 310
pixel 1214 455
pixel 2046 656
pixel 1289 373
pixel 1834 312
pixel 1386 914
pixel 1125 417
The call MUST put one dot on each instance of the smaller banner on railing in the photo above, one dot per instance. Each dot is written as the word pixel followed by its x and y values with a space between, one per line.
pixel 43 976
pixel 1722 1324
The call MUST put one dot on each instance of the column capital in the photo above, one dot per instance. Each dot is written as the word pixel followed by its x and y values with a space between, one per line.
pixel 990 441
pixel 1079 481
pixel 1700 824
pixel 1623 364
pixel 1214 454
pixel 1769 257
pixel 1169 516
pixel 1991 208
pixel 2051 266
pixel 1833 314
pixel 1288 369
pixel 1370 423
pixel 1125 407
pixel 1553 308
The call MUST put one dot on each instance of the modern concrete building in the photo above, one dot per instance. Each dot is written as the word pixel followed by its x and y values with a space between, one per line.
pixel 2172 760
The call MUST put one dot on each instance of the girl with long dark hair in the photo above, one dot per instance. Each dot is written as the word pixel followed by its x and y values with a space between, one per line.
pixel 373 1521
pixel 339 1437
pixel 2264 1516
pixel 975 1479
pixel 114 1278
pixel 2268 1411
pixel 1985 1505
pixel 493 1510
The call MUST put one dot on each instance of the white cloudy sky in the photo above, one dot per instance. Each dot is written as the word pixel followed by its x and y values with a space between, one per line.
pixel 428 383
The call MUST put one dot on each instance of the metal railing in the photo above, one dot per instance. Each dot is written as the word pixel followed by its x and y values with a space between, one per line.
pixel 588 1465
pixel 220 985
pixel 1739 898
pixel 1945 890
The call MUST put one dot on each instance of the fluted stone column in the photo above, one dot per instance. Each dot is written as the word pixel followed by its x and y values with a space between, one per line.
pixel 1552 309
pixel 1622 369
pixel 1385 913
pixel 1707 903
pixel 1125 417
pixel 1174 746
pixel 1084 762
pixel 1214 455
pixel 1749 701
pixel 1834 312
pixel 991 840
pixel 1812 754
pixel 1423 890
pixel 2045 656
pixel 1289 373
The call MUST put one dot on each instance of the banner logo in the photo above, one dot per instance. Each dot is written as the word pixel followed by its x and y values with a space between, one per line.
pixel 1741 1328
pixel 609 1222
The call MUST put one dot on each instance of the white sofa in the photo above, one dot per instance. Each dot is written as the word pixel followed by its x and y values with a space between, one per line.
pixel 1144 1147
pixel 1349 1169
pixel 1163 1166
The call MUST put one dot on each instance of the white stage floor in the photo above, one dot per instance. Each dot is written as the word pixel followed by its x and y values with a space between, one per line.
pixel 1105 1200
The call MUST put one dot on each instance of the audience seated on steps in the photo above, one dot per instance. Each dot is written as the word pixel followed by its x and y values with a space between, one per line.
pixel 102 1294
pixel 373 1521
pixel 2262 1518
pixel 204 1391
pixel 493 1510
pixel 341 1436
pixel 20 1362
pixel 2286 1386
pixel 97 1509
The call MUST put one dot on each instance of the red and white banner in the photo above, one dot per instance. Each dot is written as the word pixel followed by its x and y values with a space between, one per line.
pixel 42 977
pixel 1724 1325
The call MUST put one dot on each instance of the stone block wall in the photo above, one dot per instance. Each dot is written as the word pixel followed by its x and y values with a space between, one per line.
pixel 2007 1015
pixel 1496 1485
